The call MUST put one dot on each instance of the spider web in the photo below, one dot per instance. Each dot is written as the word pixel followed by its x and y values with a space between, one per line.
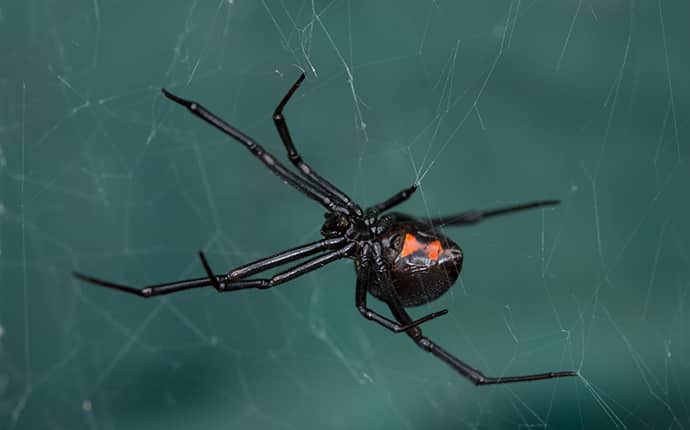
pixel 483 105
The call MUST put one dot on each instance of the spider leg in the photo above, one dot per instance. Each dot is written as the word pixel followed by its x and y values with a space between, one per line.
pixel 475 216
pixel 234 275
pixel 395 200
pixel 151 290
pixel 275 166
pixel 296 159
pixel 474 375
pixel 284 257
pixel 364 273
pixel 361 302
pixel 224 284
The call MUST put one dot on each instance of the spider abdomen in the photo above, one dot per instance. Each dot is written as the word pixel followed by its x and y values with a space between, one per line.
pixel 423 263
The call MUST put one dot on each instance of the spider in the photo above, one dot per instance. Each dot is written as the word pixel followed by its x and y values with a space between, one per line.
pixel 399 259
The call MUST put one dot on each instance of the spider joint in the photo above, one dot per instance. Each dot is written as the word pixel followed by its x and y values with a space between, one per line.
pixel 425 344
pixel 366 313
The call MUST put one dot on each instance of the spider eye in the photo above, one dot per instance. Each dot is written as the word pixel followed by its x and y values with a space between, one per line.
pixel 335 225
pixel 342 223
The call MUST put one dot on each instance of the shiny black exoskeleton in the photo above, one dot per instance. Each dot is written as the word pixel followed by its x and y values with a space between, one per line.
pixel 401 260
pixel 423 263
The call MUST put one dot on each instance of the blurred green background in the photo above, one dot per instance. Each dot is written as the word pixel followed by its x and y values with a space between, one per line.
pixel 484 103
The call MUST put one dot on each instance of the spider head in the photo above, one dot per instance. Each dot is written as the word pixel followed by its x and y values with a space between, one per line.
pixel 336 225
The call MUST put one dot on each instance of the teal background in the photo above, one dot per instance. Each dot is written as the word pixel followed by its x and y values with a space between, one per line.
pixel 484 103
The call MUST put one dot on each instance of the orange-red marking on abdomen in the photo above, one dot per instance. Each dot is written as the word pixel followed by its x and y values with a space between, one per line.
pixel 411 245
pixel 434 249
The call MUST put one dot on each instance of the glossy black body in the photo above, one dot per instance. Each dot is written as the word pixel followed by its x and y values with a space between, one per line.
pixel 417 279
pixel 401 260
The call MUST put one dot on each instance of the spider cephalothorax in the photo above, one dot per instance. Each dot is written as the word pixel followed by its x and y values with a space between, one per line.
pixel 351 227
pixel 402 260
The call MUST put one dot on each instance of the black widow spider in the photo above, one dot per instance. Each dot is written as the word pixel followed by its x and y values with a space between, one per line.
pixel 401 260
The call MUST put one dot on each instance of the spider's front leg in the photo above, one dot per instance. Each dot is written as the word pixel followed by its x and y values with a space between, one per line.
pixel 234 280
pixel 226 283
pixel 296 159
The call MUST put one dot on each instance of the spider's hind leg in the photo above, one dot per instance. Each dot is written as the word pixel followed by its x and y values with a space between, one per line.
pixel 475 216
pixel 372 315
pixel 474 375
pixel 364 276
